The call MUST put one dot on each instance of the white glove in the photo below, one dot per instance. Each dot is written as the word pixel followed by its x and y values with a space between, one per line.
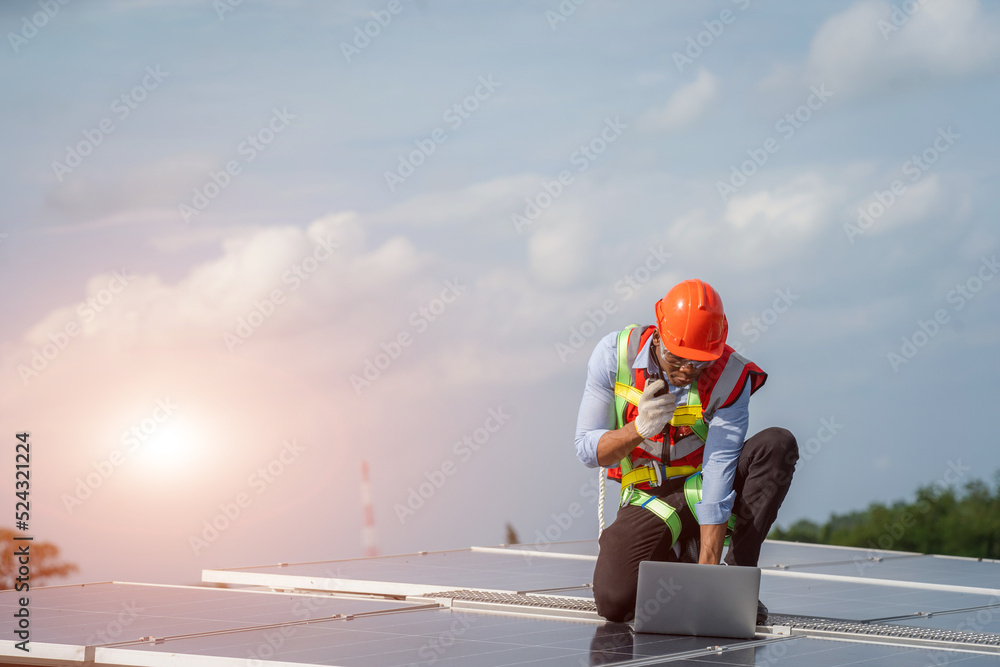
pixel 654 411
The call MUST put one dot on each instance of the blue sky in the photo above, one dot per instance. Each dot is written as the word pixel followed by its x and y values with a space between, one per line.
pixel 254 319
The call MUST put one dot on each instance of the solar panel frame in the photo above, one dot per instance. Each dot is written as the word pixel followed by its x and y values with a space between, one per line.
pixel 421 573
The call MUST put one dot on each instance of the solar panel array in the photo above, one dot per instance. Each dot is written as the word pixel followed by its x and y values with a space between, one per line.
pixel 521 604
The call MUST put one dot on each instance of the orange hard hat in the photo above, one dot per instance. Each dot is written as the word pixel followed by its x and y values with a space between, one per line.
pixel 691 321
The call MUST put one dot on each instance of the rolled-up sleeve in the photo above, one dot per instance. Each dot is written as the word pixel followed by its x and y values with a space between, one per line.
pixel 726 433
pixel 597 409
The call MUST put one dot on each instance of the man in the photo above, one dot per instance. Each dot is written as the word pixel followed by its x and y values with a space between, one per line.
pixel 666 409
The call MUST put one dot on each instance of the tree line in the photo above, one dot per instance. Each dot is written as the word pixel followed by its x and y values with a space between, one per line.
pixel 940 520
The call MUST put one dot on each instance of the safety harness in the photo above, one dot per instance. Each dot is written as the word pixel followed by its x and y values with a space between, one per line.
pixel 655 473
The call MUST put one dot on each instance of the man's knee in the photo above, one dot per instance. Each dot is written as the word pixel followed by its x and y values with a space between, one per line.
pixel 780 443
pixel 615 603
pixel 775 453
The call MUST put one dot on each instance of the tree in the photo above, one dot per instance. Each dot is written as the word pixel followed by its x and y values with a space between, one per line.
pixel 43 561
pixel 940 520
pixel 802 530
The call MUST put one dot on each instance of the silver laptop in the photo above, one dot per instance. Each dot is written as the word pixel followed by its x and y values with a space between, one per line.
pixel 692 599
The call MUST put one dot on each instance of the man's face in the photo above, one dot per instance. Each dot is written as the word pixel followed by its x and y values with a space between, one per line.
pixel 679 372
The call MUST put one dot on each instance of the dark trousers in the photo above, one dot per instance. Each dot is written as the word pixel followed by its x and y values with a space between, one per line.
pixel 763 475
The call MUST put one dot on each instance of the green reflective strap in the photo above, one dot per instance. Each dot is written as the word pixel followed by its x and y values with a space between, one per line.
pixel 692 494
pixel 661 509
pixel 623 373
pixel 700 428
pixel 626 465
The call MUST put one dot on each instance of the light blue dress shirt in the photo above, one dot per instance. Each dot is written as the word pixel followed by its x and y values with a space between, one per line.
pixel 726 431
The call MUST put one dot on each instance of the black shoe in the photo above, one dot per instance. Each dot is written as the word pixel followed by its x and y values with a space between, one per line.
pixel 690 550
pixel 761 613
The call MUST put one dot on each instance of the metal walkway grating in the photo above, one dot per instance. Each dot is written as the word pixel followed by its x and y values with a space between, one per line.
pixel 884 630
pixel 520 599
pixel 841 627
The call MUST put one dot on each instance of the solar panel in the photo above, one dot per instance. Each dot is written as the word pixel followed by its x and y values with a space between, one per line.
pixel 526 604
pixel 116 612
pixel 788 554
pixel 440 637
pixel 827 653
pixel 831 598
pixel 978 619
pixel 923 569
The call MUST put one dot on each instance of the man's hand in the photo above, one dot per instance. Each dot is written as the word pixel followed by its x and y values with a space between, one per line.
pixel 654 411
pixel 713 537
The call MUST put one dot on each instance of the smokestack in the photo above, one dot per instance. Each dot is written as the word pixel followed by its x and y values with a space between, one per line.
pixel 368 529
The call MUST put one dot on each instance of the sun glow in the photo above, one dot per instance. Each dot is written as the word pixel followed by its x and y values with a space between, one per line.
pixel 171 444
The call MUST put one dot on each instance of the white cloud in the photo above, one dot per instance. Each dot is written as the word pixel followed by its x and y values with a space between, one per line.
pixel 199 308
pixel 687 104
pixel 797 208
pixel 875 46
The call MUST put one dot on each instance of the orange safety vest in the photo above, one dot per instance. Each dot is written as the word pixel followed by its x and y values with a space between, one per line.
pixel 718 386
